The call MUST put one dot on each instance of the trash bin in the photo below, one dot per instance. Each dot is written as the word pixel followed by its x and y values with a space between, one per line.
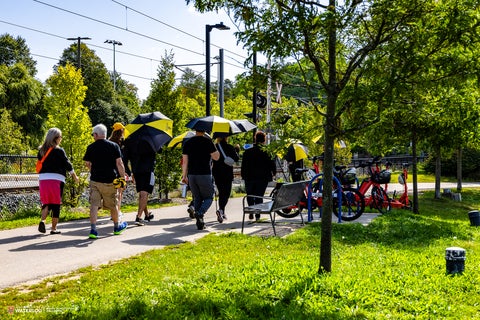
pixel 474 218
pixel 455 259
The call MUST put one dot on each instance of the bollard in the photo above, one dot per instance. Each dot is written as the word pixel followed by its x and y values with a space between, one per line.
pixel 474 218
pixel 455 260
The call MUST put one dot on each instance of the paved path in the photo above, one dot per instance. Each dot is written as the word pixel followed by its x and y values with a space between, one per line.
pixel 28 256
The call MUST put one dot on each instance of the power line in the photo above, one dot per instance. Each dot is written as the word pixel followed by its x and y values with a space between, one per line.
pixel 172 27
pixel 95 46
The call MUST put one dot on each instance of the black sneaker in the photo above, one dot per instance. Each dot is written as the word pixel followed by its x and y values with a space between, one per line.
pixel 191 212
pixel 139 221
pixel 149 217
pixel 219 216
pixel 55 232
pixel 200 223
pixel 41 227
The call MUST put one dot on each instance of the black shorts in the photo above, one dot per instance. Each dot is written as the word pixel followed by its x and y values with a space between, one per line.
pixel 144 182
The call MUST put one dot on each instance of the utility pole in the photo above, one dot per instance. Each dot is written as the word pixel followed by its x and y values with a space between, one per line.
pixel 114 43
pixel 208 28
pixel 79 63
pixel 221 84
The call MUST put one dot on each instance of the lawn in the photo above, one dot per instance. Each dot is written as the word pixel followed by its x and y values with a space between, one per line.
pixel 394 268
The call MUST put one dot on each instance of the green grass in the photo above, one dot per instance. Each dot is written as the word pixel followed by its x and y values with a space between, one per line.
pixel 394 268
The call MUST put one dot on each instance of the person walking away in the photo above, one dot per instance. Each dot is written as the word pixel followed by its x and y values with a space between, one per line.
pixel 257 170
pixel 117 136
pixel 197 155
pixel 104 160
pixel 141 157
pixel 52 176
pixel 223 175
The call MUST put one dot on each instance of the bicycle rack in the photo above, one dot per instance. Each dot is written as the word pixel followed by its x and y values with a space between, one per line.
pixel 309 197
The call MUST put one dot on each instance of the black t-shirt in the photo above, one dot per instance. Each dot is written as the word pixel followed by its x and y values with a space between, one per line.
pixel 199 149
pixel 141 157
pixel 103 155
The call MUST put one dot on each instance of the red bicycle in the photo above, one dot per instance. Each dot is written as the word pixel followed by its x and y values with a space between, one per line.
pixel 377 198
pixel 403 202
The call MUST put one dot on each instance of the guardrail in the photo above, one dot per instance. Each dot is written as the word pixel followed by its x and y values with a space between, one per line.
pixel 17 172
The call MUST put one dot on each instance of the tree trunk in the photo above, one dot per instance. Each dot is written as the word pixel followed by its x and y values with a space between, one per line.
pixel 438 171
pixel 326 236
pixel 414 171
pixel 459 169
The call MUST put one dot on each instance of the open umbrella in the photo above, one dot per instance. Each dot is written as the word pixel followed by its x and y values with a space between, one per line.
pixel 154 127
pixel 213 124
pixel 296 152
pixel 243 124
pixel 179 140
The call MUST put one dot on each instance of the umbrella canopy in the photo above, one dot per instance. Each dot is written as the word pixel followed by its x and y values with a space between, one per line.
pixel 179 140
pixel 213 124
pixel 296 152
pixel 243 124
pixel 154 127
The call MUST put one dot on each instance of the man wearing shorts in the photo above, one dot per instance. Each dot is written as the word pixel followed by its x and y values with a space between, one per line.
pixel 142 160
pixel 104 160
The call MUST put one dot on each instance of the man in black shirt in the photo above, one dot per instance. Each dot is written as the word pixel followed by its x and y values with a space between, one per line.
pixel 104 160
pixel 197 156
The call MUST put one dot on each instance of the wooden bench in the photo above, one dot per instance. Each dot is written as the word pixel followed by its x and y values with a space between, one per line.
pixel 289 194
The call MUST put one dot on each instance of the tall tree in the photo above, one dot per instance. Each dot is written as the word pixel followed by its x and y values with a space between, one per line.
pixel 15 50
pixel 99 96
pixel 337 41
pixel 23 96
pixel 67 113
pixel 163 97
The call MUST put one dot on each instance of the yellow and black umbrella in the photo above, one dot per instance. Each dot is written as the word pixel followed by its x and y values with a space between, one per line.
pixel 296 152
pixel 214 124
pixel 179 140
pixel 154 127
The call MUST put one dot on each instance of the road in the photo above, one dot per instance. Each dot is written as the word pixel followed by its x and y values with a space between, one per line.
pixel 28 256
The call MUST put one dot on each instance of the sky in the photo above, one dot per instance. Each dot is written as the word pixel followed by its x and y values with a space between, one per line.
pixel 146 28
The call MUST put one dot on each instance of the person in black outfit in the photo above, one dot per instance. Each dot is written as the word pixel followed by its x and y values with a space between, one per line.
pixel 258 169
pixel 197 154
pixel 223 175
pixel 142 160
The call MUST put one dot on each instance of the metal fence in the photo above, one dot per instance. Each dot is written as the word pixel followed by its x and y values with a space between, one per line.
pixel 17 172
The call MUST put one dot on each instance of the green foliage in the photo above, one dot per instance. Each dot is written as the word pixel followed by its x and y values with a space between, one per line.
pixel 470 164
pixel 95 77
pixel 67 113
pixel 15 50
pixel 393 268
pixel 22 95
pixel 10 136
pixel 163 97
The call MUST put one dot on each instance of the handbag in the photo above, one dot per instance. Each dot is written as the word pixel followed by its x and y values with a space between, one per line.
pixel 38 166
pixel 227 160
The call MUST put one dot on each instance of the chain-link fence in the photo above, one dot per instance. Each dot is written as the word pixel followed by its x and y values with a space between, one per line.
pixel 17 172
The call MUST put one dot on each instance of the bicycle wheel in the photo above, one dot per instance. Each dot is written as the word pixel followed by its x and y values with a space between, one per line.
pixel 353 204
pixel 380 200
pixel 290 212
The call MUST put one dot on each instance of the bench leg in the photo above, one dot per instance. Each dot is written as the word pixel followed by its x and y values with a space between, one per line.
pixel 243 220
pixel 272 219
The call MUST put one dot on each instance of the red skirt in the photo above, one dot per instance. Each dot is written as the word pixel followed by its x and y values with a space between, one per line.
pixel 50 192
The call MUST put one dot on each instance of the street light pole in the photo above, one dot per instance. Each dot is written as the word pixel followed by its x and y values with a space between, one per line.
pixel 79 63
pixel 114 42
pixel 208 28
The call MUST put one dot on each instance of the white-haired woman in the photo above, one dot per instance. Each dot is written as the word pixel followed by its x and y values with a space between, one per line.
pixel 52 177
